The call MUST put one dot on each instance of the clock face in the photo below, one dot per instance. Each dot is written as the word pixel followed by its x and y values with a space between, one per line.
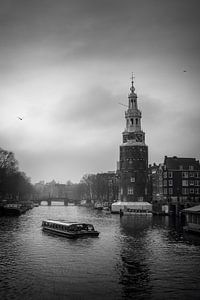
pixel 138 137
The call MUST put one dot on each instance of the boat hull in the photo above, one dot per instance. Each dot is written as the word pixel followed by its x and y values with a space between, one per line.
pixel 12 212
pixel 71 235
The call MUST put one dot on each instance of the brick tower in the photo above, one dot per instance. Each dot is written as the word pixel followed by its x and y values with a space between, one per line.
pixel 133 165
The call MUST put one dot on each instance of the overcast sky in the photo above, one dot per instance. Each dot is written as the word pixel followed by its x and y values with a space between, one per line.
pixel 65 65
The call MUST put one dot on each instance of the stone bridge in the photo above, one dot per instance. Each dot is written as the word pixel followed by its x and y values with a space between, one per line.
pixel 49 200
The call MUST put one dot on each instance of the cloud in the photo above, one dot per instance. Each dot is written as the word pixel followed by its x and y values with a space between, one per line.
pixel 94 108
pixel 65 65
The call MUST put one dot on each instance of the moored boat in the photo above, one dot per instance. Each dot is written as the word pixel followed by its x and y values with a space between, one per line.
pixel 192 219
pixel 12 209
pixel 69 229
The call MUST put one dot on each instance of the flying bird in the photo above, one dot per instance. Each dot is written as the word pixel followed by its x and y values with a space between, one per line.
pixel 184 71
pixel 20 118
pixel 122 104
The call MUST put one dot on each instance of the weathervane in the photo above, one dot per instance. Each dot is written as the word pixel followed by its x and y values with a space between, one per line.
pixel 132 87
pixel 132 77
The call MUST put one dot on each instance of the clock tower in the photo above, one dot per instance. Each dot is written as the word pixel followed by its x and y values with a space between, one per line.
pixel 133 165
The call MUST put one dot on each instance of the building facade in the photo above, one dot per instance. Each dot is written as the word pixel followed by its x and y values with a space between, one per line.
pixel 176 184
pixel 133 163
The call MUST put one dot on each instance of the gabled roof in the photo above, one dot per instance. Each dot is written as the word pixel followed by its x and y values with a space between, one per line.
pixel 175 162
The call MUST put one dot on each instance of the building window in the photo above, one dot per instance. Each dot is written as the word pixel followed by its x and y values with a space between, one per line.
pixel 170 182
pixel 185 191
pixel 132 179
pixel 191 168
pixel 130 190
pixel 185 174
pixel 191 182
pixel 185 183
pixel 170 191
pixel 196 191
pixel 191 174
pixel 165 182
pixel 196 182
pixel 181 167
pixel 191 191
pixel 165 191
pixel 165 175
pixel 170 175
pixel 197 175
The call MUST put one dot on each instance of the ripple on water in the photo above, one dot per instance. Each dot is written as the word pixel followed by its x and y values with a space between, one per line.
pixel 133 258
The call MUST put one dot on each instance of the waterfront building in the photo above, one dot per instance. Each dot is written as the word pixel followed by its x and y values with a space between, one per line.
pixel 175 184
pixel 133 164
pixel 107 187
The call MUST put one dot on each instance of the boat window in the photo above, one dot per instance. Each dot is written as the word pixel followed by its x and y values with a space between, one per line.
pixel 90 227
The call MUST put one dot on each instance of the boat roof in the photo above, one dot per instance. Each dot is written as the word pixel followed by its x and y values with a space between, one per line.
pixel 64 222
pixel 134 203
pixel 195 209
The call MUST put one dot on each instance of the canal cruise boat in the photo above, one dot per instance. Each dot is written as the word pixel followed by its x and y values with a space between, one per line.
pixel 192 219
pixel 69 229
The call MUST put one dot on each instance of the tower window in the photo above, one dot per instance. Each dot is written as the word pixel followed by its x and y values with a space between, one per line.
pixel 130 190
pixel 131 103
pixel 131 121
pixel 136 121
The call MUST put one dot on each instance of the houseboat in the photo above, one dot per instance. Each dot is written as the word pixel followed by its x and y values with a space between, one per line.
pixel 69 229
pixel 192 219
pixel 132 208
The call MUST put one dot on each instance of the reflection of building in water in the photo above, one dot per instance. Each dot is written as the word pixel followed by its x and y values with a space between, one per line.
pixel 133 165
pixel 133 267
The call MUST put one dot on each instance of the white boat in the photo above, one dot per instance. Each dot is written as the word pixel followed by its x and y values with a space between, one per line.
pixel 69 229
pixel 130 212
pixel 192 219
pixel 130 208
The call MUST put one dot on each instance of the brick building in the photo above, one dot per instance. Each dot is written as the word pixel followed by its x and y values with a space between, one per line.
pixel 133 164
pixel 175 184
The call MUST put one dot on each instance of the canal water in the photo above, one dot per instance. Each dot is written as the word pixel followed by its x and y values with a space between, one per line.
pixel 134 257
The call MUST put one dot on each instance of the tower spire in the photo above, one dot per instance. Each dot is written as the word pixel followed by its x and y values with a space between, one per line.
pixel 132 82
